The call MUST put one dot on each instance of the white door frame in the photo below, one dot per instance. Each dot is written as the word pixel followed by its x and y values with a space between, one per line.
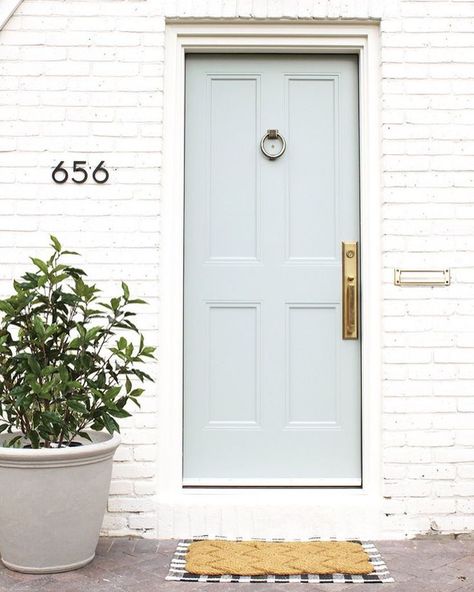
pixel 183 511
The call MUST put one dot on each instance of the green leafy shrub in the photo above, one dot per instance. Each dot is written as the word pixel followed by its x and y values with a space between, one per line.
pixel 65 365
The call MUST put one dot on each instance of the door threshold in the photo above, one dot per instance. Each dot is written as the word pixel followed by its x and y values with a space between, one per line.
pixel 228 482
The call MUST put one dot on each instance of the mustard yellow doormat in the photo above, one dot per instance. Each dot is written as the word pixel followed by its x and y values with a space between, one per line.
pixel 217 559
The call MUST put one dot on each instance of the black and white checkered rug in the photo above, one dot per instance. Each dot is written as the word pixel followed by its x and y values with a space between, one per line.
pixel 380 575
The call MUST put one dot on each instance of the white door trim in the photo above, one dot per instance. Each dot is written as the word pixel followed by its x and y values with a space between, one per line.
pixel 181 511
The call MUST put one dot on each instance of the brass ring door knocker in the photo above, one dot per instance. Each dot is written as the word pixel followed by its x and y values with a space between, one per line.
pixel 273 134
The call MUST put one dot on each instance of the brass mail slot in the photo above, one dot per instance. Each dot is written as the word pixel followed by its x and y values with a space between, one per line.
pixel 421 277
pixel 350 290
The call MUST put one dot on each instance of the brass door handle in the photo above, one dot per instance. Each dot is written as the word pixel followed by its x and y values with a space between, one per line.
pixel 350 290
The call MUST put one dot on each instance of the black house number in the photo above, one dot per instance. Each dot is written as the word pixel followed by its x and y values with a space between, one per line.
pixel 100 174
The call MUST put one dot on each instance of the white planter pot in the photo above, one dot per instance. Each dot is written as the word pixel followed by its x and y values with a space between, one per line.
pixel 52 503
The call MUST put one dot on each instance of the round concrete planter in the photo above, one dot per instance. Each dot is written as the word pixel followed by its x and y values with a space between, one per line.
pixel 52 503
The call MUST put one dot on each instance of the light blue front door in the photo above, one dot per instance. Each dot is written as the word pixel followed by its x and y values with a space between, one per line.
pixel 271 389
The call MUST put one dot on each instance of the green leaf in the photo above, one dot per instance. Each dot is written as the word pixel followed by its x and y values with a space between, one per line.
pixel 40 264
pixel 148 351
pixel 52 417
pixel 77 406
pixel 111 393
pixel 92 333
pixel 126 291
pixel 55 243
pixel 6 307
pixel 57 279
pixel 34 365
pixel 110 424
pixel 39 327
pixel 63 374
pixel 119 413
pixel 11 443
pixel 51 330
pixel 34 438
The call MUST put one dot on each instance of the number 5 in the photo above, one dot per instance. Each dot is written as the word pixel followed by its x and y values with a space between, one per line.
pixel 79 169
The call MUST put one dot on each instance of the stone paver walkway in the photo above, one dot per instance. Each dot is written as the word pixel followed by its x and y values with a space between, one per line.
pixel 137 565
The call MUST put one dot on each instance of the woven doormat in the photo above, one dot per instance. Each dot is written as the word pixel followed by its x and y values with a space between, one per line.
pixel 218 559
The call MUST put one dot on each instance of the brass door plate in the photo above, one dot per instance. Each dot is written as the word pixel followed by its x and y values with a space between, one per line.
pixel 350 290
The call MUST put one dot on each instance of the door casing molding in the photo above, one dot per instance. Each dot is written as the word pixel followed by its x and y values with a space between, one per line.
pixel 180 509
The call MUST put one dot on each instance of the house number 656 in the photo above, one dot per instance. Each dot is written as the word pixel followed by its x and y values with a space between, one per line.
pixel 100 174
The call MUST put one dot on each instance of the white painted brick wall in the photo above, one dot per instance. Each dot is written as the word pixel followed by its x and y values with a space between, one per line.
pixel 82 79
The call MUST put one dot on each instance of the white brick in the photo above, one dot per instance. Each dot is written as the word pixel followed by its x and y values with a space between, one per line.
pixel 407 454
pixel 465 471
pixel 420 405
pixel 407 488
pixel 430 439
pixel 129 504
pixel 453 421
pixel 124 453
pixel 465 488
pixel 465 437
pixel 114 522
pixel 454 455
pixel 431 506
pixel 144 487
pixel 145 453
pixel 432 472
pixel 121 487
pixel 456 523
pixel 466 404
pixel 142 521
pixel 133 470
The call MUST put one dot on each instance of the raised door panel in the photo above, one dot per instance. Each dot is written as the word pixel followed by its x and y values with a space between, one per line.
pixel 313 134
pixel 233 109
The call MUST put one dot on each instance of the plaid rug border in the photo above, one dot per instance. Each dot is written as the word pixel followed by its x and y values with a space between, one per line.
pixel 380 575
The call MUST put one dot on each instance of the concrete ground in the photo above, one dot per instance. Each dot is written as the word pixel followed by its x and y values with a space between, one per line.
pixel 138 565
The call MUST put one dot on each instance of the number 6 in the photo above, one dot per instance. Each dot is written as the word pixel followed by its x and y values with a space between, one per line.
pixel 60 169
pixel 102 169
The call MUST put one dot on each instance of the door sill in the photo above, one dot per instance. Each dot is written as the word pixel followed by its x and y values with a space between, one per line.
pixel 224 482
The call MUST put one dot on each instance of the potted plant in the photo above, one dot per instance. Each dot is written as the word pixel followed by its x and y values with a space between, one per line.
pixel 67 372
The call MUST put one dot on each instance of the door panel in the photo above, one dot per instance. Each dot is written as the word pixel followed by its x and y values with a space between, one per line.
pixel 233 385
pixel 232 195
pixel 271 390
pixel 312 369
pixel 312 163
